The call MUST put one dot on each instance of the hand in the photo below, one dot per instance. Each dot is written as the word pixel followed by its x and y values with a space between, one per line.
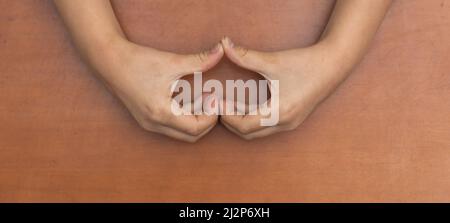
pixel 142 78
pixel 306 76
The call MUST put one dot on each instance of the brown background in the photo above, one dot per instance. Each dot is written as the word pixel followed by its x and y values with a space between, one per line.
pixel 383 136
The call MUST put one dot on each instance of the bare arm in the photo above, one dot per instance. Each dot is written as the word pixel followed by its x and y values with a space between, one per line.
pixel 352 27
pixel 141 77
pixel 93 26
pixel 308 75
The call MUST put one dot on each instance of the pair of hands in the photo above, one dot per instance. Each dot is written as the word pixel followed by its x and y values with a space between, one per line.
pixel 142 78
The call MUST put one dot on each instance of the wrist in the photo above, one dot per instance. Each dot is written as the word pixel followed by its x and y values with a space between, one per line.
pixel 107 54
pixel 344 55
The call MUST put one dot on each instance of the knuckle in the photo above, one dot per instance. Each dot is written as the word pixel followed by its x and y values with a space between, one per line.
pixel 247 137
pixel 193 139
pixel 155 113
pixel 243 129
pixel 146 125
pixel 285 120
pixel 195 130
pixel 287 115
pixel 202 57
pixel 242 51
pixel 148 109
pixel 292 126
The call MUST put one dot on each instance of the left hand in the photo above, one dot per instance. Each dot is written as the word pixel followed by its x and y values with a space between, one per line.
pixel 306 77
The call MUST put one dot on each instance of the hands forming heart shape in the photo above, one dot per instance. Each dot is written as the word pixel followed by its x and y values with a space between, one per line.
pixel 144 78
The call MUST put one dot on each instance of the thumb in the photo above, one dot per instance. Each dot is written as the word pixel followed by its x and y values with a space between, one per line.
pixel 199 62
pixel 260 62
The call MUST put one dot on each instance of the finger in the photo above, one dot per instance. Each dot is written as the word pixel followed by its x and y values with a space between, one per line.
pixel 173 133
pixel 231 128
pixel 200 62
pixel 244 124
pixel 258 134
pixel 240 119
pixel 184 120
pixel 249 126
pixel 191 124
pixel 257 61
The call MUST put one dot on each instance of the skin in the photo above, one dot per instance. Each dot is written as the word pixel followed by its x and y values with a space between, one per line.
pixel 308 75
pixel 141 77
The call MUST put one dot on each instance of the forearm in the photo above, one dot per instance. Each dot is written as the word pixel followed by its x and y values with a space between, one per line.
pixel 352 27
pixel 93 27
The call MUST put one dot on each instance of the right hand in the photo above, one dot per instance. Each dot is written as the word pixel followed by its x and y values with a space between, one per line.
pixel 142 78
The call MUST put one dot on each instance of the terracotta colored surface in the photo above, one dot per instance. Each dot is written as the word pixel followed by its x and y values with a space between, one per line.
pixel 383 136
